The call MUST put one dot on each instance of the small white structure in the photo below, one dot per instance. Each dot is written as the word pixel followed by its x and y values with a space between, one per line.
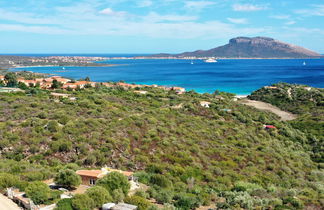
pixel 108 206
pixel 124 206
pixel 205 104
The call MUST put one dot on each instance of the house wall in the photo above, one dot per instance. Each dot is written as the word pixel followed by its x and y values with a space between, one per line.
pixel 86 180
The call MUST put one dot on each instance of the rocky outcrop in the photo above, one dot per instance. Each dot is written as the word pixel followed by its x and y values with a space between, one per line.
pixel 257 47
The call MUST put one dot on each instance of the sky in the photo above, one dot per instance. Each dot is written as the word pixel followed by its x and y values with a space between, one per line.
pixel 154 26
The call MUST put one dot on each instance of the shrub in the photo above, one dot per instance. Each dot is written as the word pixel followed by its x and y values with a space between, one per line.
pixel 164 196
pixel 113 181
pixel 160 180
pixel 67 178
pixel 64 204
pixel 99 195
pixel 118 195
pixel 82 202
pixel 140 202
pixel 39 192
pixel 8 180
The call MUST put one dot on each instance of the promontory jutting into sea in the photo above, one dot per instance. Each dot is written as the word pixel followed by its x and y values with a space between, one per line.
pixel 153 105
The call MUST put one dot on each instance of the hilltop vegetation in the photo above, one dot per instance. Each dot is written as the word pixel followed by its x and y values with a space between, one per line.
pixel 189 155
pixel 307 102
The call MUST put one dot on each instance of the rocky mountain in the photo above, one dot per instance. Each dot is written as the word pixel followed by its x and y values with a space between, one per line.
pixel 257 47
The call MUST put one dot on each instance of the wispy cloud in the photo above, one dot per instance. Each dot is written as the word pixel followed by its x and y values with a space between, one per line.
pixel 155 17
pixel 280 17
pixel 315 10
pixel 144 3
pixel 111 12
pixel 248 7
pixel 91 21
pixel 198 5
pixel 292 22
pixel 238 20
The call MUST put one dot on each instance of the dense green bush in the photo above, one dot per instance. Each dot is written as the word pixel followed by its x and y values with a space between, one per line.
pixel 99 195
pixel 140 202
pixel 39 192
pixel 114 181
pixel 82 202
pixel 67 178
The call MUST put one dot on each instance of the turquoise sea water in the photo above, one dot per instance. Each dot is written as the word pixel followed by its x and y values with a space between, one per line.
pixel 235 76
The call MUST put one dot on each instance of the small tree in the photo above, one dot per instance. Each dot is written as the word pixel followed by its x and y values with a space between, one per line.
pixel 11 79
pixel 68 178
pixel 113 181
pixel 82 202
pixel 56 84
pixel 39 192
pixel 99 195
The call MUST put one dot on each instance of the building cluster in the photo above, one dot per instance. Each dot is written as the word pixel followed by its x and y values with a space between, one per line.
pixel 47 83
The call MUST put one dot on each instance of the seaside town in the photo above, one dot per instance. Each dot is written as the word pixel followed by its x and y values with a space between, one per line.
pixel 58 82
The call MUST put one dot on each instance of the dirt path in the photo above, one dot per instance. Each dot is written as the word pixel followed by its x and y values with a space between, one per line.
pixel 285 116
pixel 7 204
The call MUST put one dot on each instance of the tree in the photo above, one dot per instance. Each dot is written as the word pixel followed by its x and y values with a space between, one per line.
pixel 68 178
pixel 140 202
pixel 82 202
pixel 87 79
pixel 56 84
pixel 99 195
pixel 39 192
pixel 11 79
pixel 113 181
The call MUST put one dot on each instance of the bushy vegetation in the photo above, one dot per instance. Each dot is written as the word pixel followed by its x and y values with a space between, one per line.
pixel 188 155
pixel 308 104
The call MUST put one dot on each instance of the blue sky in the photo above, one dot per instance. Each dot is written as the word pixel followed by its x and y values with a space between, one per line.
pixel 153 26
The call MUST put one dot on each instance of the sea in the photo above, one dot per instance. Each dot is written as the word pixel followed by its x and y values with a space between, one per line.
pixel 238 76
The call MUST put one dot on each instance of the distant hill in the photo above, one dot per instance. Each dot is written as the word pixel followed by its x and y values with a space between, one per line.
pixel 257 47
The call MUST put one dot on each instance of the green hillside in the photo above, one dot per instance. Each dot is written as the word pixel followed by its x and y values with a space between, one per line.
pixel 307 102
pixel 189 155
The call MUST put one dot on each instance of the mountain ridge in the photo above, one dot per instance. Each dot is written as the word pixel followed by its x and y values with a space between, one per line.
pixel 255 47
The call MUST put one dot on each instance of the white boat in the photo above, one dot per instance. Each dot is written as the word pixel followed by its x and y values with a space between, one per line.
pixel 304 64
pixel 63 68
pixel 192 62
pixel 210 60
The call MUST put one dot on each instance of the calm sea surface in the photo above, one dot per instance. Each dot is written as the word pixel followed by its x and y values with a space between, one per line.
pixel 235 76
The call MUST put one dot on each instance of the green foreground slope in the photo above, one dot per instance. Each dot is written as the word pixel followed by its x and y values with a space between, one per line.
pixel 188 154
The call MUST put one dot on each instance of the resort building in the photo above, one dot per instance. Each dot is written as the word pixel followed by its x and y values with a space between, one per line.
pixel 89 177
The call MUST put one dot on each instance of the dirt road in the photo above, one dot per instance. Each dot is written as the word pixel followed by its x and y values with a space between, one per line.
pixel 285 116
pixel 7 204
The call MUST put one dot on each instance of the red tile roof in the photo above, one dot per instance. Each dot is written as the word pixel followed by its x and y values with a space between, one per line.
pixel 90 173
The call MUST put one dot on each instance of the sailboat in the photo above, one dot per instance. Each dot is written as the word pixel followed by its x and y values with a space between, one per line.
pixel 304 64
pixel 192 62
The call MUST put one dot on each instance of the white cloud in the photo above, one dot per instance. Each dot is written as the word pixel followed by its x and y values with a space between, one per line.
pixel 292 22
pixel 248 7
pixel 198 5
pixel 144 3
pixel 280 17
pixel 316 10
pixel 110 12
pixel 238 20
pixel 155 17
